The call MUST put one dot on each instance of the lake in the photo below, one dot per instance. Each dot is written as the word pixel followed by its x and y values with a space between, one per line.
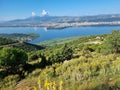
pixel 59 33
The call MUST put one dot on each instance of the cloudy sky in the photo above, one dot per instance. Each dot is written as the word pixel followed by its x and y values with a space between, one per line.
pixel 14 9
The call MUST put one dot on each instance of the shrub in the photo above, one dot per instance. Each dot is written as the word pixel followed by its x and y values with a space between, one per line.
pixel 66 53
pixel 13 59
pixel 112 42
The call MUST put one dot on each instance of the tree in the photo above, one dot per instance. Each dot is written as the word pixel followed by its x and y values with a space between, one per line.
pixel 67 53
pixel 43 62
pixel 11 58
pixel 112 42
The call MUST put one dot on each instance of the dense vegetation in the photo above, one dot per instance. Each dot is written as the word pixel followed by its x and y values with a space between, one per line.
pixel 5 41
pixel 20 37
pixel 19 41
pixel 86 63
pixel 12 59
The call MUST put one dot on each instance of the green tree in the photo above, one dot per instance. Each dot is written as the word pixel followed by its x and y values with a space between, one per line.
pixel 11 58
pixel 43 62
pixel 112 42
pixel 67 53
pixel 63 54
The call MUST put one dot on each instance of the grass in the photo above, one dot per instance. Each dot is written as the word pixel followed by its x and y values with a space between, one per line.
pixel 58 41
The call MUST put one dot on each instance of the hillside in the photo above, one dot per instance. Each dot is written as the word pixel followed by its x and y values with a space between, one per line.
pixel 86 63
pixel 9 40
pixel 25 46
pixel 4 41
pixel 20 36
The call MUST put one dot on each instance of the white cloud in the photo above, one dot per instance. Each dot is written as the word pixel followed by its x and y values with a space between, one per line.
pixel 33 14
pixel 44 13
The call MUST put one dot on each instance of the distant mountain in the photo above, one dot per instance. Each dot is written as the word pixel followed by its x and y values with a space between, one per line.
pixel 53 21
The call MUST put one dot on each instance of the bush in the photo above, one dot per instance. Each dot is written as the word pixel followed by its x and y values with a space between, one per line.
pixel 66 53
pixel 11 58
pixel 9 80
pixel 112 42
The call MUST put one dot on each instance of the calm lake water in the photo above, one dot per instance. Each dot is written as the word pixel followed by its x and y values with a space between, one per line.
pixel 59 33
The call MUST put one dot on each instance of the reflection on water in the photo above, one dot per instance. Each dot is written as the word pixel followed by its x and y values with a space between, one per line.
pixel 45 28
pixel 35 28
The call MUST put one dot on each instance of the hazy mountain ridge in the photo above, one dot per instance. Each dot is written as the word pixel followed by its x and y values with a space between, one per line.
pixel 56 21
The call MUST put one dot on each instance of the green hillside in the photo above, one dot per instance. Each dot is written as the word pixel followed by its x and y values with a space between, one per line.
pixel 20 36
pixel 85 63
pixel 4 41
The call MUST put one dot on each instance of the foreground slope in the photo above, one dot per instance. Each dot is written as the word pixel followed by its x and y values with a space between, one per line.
pixel 80 64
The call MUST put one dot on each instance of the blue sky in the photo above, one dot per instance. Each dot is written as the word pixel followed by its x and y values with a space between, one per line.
pixel 13 9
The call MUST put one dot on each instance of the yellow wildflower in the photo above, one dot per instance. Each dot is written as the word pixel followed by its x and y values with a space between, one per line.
pixel 46 84
pixel 35 88
pixel 54 86
pixel 39 81
pixel 61 82
pixel 61 85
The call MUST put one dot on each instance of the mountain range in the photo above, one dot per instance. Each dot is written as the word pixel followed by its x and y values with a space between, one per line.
pixel 64 21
